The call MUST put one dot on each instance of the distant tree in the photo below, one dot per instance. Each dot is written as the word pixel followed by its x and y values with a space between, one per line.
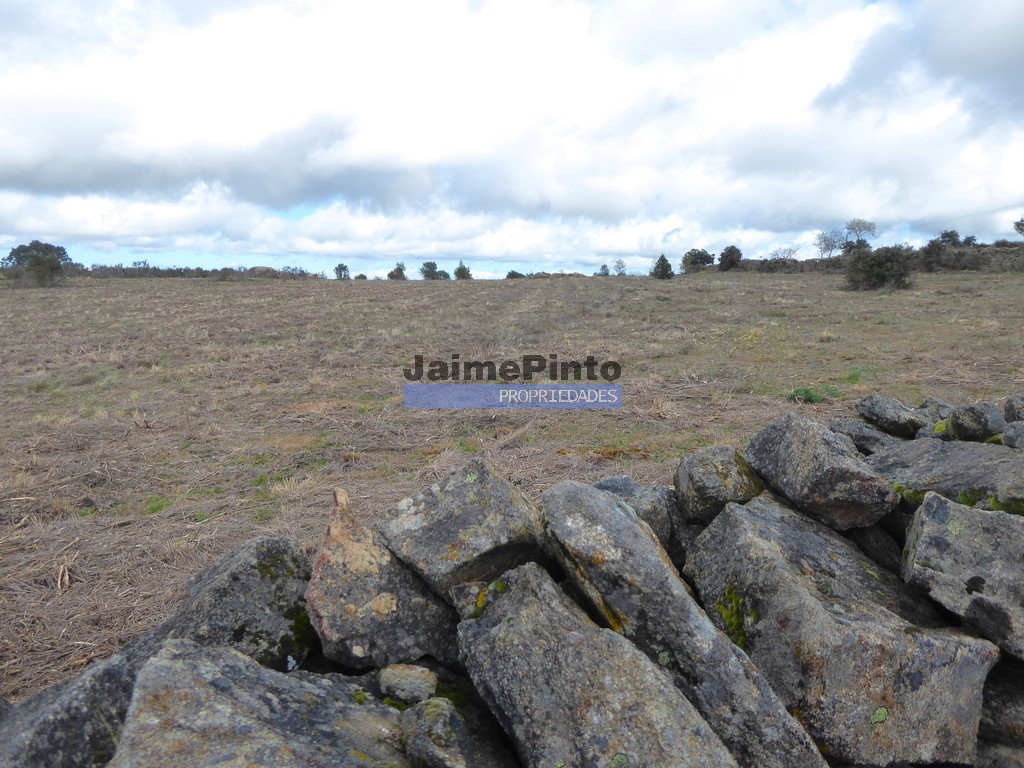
pixel 785 253
pixel 462 272
pixel 603 271
pixel 888 266
pixel 970 241
pixel 696 259
pixel 662 269
pixel 42 263
pixel 828 241
pixel 398 273
pixel 860 227
pixel 360 276
pixel 620 266
pixel 950 237
pixel 1019 226
pixel 931 255
pixel 341 272
pixel 429 271
pixel 855 245
pixel 729 258
pixel 513 275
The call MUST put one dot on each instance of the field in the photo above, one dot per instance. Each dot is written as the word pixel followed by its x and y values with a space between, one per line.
pixel 151 425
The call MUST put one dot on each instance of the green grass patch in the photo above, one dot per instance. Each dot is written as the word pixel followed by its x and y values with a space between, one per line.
pixel 156 504
pixel 810 395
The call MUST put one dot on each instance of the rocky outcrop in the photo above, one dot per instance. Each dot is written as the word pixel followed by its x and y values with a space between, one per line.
pixel 709 479
pixel 571 693
pixel 863 664
pixel 969 561
pixel 370 609
pixel 1013 408
pixel 868 439
pixel 894 417
pixel 820 472
pixel 654 504
pixel 628 578
pixel 977 422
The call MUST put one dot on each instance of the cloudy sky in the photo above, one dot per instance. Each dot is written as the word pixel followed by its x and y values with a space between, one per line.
pixel 525 134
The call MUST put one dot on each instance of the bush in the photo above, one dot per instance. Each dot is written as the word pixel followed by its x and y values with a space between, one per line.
pixel 888 266
pixel 398 273
pixel 513 275
pixel 662 270
pixel 462 272
pixel 729 258
pixel 696 259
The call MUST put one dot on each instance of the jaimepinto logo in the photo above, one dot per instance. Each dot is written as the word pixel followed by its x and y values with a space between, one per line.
pixel 532 381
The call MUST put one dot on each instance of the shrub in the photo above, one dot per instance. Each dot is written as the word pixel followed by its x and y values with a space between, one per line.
pixel 398 273
pixel 462 272
pixel 360 276
pixel 513 275
pixel 931 255
pixel 888 266
pixel 729 258
pixel 603 271
pixel 696 259
pixel 341 272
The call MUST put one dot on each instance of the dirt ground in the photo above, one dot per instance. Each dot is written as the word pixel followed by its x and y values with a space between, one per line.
pixel 150 425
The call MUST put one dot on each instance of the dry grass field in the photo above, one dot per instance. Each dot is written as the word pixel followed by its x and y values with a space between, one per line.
pixel 148 426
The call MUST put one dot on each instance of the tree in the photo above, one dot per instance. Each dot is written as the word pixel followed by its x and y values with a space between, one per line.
pixel 931 255
pixel 620 266
pixel 662 269
pixel 950 237
pixel 462 272
pixel 729 258
pixel 860 227
pixel 341 272
pixel 868 270
pixel 855 245
pixel 429 271
pixel 398 273
pixel 1019 226
pixel 513 275
pixel 828 241
pixel 696 259
pixel 43 263
pixel 360 276
pixel 785 253
pixel 603 271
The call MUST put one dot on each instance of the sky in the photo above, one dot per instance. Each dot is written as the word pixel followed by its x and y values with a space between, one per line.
pixel 553 135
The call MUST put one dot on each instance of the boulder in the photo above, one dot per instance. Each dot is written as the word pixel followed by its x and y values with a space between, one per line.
pixel 892 416
pixel 407 683
pixel 1002 715
pixel 627 577
pixel 867 439
pixel 820 472
pixel 709 479
pixel 369 609
pixel 1013 408
pixel 1013 435
pixel 970 473
pixel 875 542
pixel 654 504
pixel 436 736
pixel 977 422
pixel 969 561
pixel 992 755
pixel 194 707
pixel 861 663
pixel 473 525
pixel 251 599
pixel 571 693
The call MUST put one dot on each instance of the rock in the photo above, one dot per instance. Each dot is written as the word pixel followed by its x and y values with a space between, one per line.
pixel 877 544
pixel 709 479
pixel 473 526
pixel 820 472
pixel 71 724
pixel 935 410
pixel 991 755
pixel 251 599
pixel 1013 435
pixel 1002 715
pixel 859 661
pixel 5 707
pixel 435 734
pixel 1013 408
pixel 970 473
pixel 194 707
pixel 892 416
pixel 570 693
pixel 969 561
pixel 654 504
pixel 867 439
pixel 628 578
pixel 977 422
pixel 682 539
pixel 407 683
pixel 369 609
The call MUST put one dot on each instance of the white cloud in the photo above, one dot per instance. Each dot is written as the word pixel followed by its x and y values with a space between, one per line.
pixel 544 130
